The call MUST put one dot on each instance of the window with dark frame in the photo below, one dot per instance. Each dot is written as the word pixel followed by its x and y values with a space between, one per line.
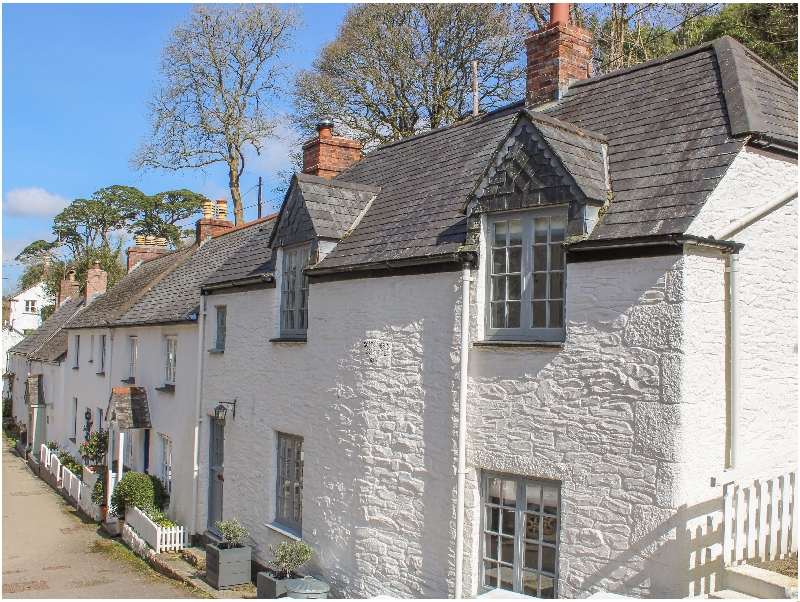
pixel 77 347
pixel 166 463
pixel 134 351
pixel 289 510
pixel 521 525
pixel 526 277
pixel 294 292
pixel 222 319
pixel 102 354
pixel 30 307
pixel 172 360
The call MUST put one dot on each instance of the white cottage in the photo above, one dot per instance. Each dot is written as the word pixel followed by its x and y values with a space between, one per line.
pixel 26 308
pixel 513 352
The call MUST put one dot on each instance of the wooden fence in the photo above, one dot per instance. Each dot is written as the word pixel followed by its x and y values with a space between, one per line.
pixel 161 539
pixel 78 489
pixel 760 515
pixel 71 483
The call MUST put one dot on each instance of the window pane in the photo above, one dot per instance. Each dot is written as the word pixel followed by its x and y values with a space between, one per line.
pixel 500 234
pixel 533 497
pixel 490 570
pixel 558 227
pixel 490 546
pixel 509 522
pixel 556 257
pixel 494 490
pixel 507 549
pixel 493 519
pixel 531 556
pixel 515 260
pixel 513 309
pixel 515 232
pixel 514 289
pixel 539 258
pixel 539 285
pixel 498 261
pixel 556 285
pixel 506 578
pixel 540 229
pixel 551 500
pixel 556 314
pixel 547 587
pixel 498 315
pixel 538 317
pixel 498 288
pixel 529 583
pixel 532 526
pixel 548 559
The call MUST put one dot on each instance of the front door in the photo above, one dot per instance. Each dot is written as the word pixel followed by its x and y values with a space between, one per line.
pixel 216 478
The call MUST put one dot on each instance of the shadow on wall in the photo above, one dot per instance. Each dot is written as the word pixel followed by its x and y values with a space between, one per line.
pixel 690 539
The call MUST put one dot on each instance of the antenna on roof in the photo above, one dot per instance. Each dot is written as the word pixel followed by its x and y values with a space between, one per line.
pixel 475 109
pixel 259 197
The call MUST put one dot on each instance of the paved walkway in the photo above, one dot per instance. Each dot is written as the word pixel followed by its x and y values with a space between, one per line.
pixel 49 552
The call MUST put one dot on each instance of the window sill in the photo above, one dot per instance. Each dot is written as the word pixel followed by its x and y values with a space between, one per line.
pixel 73 439
pixel 288 532
pixel 289 340
pixel 129 381
pixel 76 367
pixel 523 344
pixel 215 350
pixel 166 389
pixel 100 373
pixel 89 361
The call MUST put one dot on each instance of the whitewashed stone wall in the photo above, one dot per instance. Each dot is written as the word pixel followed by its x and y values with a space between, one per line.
pixel 768 297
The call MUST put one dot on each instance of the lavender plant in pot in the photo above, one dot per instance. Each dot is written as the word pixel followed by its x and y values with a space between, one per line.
pixel 228 564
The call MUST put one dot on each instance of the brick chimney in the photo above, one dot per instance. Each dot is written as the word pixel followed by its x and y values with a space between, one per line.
pixel 328 155
pixel 558 55
pixel 143 250
pixel 214 220
pixel 69 287
pixel 96 280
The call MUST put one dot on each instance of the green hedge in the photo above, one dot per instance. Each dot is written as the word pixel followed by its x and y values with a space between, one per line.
pixel 137 490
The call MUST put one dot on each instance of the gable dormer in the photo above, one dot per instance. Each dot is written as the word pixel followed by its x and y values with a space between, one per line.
pixel 544 162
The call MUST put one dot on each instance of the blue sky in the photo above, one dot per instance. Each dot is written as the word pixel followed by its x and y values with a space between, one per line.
pixel 75 78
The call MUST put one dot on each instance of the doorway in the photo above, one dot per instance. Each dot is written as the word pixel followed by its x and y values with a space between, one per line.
pixel 216 477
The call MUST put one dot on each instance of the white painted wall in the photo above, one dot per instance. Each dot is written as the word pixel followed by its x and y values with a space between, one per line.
pixel 22 320
pixel 171 414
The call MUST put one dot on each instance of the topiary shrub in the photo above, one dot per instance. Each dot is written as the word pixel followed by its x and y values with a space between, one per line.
pixel 137 490
pixel 291 556
pixel 99 491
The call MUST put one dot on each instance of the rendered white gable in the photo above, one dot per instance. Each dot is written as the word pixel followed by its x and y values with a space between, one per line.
pixel 22 320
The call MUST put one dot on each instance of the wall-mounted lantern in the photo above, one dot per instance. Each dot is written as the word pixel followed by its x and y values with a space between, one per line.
pixel 221 412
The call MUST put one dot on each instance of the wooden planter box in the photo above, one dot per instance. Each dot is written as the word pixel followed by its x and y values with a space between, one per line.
pixel 271 586
pixel 226 568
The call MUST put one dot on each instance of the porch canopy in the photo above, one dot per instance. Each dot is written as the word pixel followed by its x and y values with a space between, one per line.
pixel 127 409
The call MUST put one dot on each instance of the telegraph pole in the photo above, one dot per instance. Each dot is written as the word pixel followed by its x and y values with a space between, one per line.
pixel 259 197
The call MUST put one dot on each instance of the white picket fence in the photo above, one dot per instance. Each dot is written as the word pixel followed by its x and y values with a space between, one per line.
pixel 161 539
pixel 760 515
pixel 44 455
pixel 71 483
pixel 55 467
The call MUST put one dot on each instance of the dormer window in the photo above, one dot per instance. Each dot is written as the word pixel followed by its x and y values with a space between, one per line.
pixel 294 292
pixel 526 276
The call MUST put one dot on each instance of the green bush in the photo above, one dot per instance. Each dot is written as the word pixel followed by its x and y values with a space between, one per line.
pixel 232 531
pixel 99 491
pixel 138 490
pixel 51 445
pixel 291 556
pixel 159 517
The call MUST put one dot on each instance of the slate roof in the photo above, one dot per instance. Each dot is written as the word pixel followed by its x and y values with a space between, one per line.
pixel 176 297
pixel 130 408
pixel 104 308
pixel 671 127
pixel 46 341
pixel 252 261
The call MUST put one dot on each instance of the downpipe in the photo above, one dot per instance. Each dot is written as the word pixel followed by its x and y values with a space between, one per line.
pixel 733 299
pixel 462 430
pixel 198 401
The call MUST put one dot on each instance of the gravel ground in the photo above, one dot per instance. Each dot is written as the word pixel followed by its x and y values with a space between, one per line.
pixel 786 567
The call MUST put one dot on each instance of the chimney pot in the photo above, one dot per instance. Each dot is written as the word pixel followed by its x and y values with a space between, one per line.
pixel 328 155
pixel 325 128
pixel 96 282
pixel 71 275
pixel 222 210
pixel 150 239
pixel 96 264
pixel 68 288
pixel 139 239
pixel 559 12
pixel 208 209
pixel 161 241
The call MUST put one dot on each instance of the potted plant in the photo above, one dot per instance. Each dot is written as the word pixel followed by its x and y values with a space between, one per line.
pixel 289 556
pixel 138 490
pixel 94 449
pixel 228 564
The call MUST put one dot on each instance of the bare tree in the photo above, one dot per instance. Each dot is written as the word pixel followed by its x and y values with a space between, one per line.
pixel 397 69
pixel 219 70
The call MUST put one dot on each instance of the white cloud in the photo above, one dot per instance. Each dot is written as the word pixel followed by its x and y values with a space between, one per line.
pixel 33 202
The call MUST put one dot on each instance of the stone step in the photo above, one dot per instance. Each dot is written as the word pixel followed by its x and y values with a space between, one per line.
pixel 729 594
pixel 195 556
pixel 759 583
